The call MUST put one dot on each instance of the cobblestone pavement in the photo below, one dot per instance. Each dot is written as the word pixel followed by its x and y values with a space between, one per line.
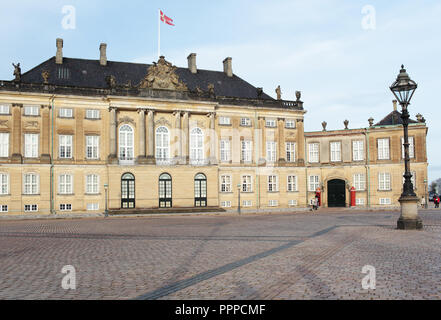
pixel 278 256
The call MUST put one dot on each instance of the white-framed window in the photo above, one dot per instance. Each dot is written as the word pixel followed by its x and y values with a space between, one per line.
pixel 162 144
pixel 290 124
pixel 384 181
pixel 31 145
pixel 126 145
pixel 360 202
pixel 226 204
pixel 4 208
pixel 292 203
pixel 247 203
pixel 65 113
pixel 291 183
pixel 270 123
pixel 65 184
pixel 196 146
pixel 92 184
pixel 411 147
pixel 4 144
pixel 226 121
pixel 412 179
pixel 246 150
pixel 335 151
pixel 30 207
pixel 314 183
pixel 225 150
pixel 313 152
pixel 385 201
pixel 92 114
pixel 273 184
pixel 31 110
pixel 291 152
pixel 358 150
pixel 271 152
pixel 30 183
pixel 65 148
pixel 4 183
pixel 65 207
pixel 93 206
pixel 383 149
pixel 359 181
pixel 225 183
pixel 247 183
pixel 273 203
pixel 92 147
pixel 245 122
pixel 4 109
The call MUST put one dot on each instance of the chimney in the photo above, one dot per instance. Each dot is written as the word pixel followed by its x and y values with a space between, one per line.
pixel 395 104
pixel 103 55
pixel 59 55
pixel 192 63
pixel 228 67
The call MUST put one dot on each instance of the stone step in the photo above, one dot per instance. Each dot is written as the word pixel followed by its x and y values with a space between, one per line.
pixel 164 210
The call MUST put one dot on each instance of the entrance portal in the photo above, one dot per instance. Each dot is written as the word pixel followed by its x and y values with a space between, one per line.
pixel 336 193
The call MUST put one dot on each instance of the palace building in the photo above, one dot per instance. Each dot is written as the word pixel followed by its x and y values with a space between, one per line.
pixel 82 135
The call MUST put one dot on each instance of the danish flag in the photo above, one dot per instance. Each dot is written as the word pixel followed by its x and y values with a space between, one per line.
pixel 166 19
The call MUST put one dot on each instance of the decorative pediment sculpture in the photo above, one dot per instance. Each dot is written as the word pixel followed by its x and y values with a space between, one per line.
pixel 17 72
pixel 162 75
pixel 111 81
pixel 45 75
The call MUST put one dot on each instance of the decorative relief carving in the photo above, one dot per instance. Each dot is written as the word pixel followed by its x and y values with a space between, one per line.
pixel 198 123
pixel 163 122
pixel 126 120
pixel 162 75
pixel 4 123
pixel 31 124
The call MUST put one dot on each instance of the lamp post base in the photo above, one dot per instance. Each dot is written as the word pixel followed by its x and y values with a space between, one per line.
pixel 409 219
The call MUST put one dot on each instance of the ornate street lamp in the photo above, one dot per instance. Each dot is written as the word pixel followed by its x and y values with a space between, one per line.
pixel 238 200
pixel 403 89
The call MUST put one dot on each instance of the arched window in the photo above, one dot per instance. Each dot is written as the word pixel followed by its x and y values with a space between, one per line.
pixel 128 191
pixel 200 190
pixel 196 146
pixel 162 144
pixel 126 142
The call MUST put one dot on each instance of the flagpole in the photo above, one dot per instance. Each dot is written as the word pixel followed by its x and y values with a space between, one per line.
pixel 159 33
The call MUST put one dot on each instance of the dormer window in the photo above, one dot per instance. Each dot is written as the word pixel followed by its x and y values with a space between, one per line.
pixel 63 73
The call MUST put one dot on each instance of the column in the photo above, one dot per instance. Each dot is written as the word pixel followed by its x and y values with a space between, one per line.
pixel 45 153
pixel 262 159
pixel 213 159
pixel 112 135
pixel 300 143
pixel 178 137
pixel 186 137
pixel 151 137
pixel 16 132
pixel 142 159
pixel 281 140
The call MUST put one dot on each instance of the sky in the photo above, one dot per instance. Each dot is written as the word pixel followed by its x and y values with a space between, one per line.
pixel 342 55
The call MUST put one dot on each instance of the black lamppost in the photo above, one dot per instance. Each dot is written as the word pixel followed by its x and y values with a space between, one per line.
pixel 238 200
pixel 403 89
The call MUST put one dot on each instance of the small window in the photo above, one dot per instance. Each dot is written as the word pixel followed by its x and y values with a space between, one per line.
pixel 247 203
pixel 270 123
pixel 92 114
pixel 226 204
pixel 63 73
pixel 245 122
pixel 226 121
pixel 65 113
pixel 30 208
pixel 273 203
pixel 31 110
pixel 4 109
pixel 4 208
pixel 359 202
pixel 385 201
pixel 93 206
pixel 292 203
pixel 290 124
pixel 66 207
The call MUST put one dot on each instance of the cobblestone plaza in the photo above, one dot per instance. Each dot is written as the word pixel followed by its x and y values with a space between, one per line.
pixel 274 256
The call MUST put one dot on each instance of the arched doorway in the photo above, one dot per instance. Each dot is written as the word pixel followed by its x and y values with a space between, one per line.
pixel 128 191
pixel 336 193
pixel 165 191
pixel 200 190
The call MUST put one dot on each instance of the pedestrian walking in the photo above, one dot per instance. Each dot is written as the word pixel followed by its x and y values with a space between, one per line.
pixel 436 201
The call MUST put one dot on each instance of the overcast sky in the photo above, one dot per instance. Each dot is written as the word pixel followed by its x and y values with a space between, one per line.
pixel 342 55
